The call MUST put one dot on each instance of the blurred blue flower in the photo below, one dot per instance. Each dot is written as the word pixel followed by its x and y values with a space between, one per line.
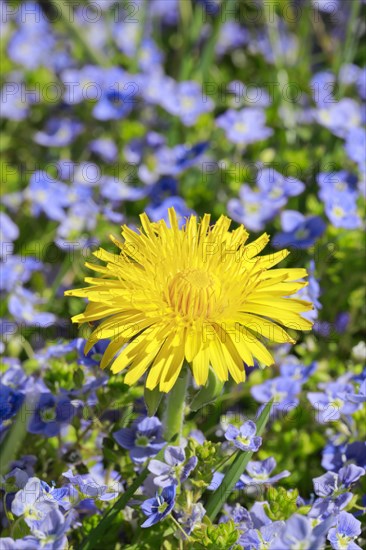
pixel 149 55
pixel 174 469
pixel 47 195
pixel 82 84
pixel 10 402
pixel 311 293
pixel 253 209
pixel 9 233
pixel 259 472
pixel 322 87
pixel 161 211
pixel 232 35
pixel 244 438
pixel 331 483
pixel 265 537
pixel 166 186
pixel 93 484
pixel 113 105
pixel 244 95
pixel 105 148
pixel 355 147
pixel 59 132
pixel 341 183
pixel 31 503
pixel 186 101
pixel 22 304
pixel 293 368
pixel 361 83
pixel 342 321
pixel 299 231
pixel 32 44
pixel 17 269
pixel 282 390
pixel 349 74
pixel 343 535
pixel 359 397
pixel 341 210
pixel 167 11
pixel 115 190
pixel 51 530
pixel 159 507
pixel 27 543
pixel 332 488
pixel 80 217
pixel 326 6
pixel 51 414
pixel 245 126
pixel 94 355
pixel 187 156
pixel 143 439
pixel 14 102
pixel 277 187
pixel 333 403
pixel 340 117
pixel 299 533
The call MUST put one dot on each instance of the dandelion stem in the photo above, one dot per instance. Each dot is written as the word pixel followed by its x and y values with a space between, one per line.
pixel 174 407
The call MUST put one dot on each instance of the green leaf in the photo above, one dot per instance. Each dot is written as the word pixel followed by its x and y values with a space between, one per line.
pixel 78 378
pixel 20 529
pixel 15 436
pixel 219 497
pixel 152 400
pixel 208 393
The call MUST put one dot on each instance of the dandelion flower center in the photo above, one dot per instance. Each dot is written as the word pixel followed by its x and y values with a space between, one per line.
pixel 197 294
pixel 193 293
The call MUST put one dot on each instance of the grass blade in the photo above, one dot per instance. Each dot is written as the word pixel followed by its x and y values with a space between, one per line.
pixel 219 497
pixel 14 437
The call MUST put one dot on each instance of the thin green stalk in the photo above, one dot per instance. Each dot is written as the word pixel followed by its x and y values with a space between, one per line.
pixel 174 407
pixel 65 9
pixel 208 54
pixel 218 498
pixel 348 48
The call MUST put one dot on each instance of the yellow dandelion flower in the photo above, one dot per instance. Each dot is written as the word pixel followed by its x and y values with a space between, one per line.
pixel 199 293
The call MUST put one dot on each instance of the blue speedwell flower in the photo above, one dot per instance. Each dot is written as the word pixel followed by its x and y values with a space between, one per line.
pixel 245 126
pixel 244 438
pixel 58 132
pixel 257 539
pixel 298 231
pixel 143 439
pixel 333 402
pixel 343 535
pixel 333 490
pixel 259 472
pixel 9 232
pixel 10 402
pixel 51 414
pixel 299 533
pixel 159 507
pixel 174 469
pixel 32 503
pixel 253 208
pixel 283 390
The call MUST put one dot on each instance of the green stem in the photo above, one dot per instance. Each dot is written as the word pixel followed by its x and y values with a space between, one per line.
pixel 66 12
pixel 174 407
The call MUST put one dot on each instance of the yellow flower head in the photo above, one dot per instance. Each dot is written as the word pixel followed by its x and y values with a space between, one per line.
pixel 198 293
